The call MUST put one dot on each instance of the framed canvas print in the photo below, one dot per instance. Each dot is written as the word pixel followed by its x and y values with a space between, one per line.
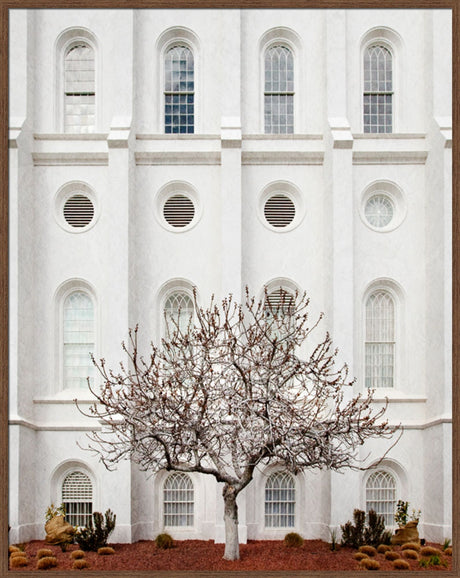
pixel 229 298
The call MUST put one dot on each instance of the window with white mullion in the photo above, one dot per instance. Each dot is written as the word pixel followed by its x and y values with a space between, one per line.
pixel 179 90
pixel 77 497
pixel 378 90
pixel 381 495
pixel 279 91
pixel 178 500
pixel 380 340
pixel 179 309
pixel 79 89
pixel 280 501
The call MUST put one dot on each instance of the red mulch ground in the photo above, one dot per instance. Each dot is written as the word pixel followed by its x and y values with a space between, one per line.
pixel 199 555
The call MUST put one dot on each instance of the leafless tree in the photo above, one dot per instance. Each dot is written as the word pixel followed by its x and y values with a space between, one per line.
pixel 230 390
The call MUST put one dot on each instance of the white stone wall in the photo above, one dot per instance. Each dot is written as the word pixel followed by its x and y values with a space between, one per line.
pixel 130 259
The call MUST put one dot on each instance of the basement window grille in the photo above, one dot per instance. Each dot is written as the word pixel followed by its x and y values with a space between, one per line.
pixel 78 211
pixel 279 211
pixel 178 211
pixel 77 497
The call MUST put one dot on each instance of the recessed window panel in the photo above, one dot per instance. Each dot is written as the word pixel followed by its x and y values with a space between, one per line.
pixel 279 91
pixel 179 90
pixel 378 90
pixel 379 211
pixel 79 89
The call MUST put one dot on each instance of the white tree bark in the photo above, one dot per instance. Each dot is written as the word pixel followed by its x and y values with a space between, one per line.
pixel 232 546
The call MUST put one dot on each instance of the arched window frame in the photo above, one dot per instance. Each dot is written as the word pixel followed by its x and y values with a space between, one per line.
pixel 390 40
pixel 179 36
pixel 178 285
pixel 396 293
pixel 66 289
pixel 281 36
pixel 294 515
pixel 393 468
pixel 64 42
pixel 190 513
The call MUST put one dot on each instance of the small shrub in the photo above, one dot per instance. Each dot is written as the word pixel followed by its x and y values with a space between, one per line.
pixel 44 552
pixel 411 546
pixel 76 554
pixel 370 564
pixel 293 540
pixel 446 543
pixel 80 564
pixel 19 561
pixel 411 554
pixel 360 556
pixel 430 551
pixel 164 541
pixel 386 537
pixel 106 551
pixel 54 511
pixel 94 536
pixel 400 564
pixel 376 527
pixel 369 550
pixel 12 549
pixel 382 548
pixel 401 516
pixel 333 540
pixel 434 560
pixel 353 535
pixel 46 562
pixel 390 555
pixel 18 554
pixel 448 551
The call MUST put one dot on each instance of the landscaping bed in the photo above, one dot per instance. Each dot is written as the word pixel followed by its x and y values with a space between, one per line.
pixel 200 555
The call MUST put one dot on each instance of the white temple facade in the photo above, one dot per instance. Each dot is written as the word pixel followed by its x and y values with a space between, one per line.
pixel 152 151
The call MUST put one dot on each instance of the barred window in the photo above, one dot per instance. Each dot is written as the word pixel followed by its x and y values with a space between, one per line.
pixel 380 340
pixel 381 495
pixel 178 500
pixel 179 90
pixel 77 497
pixel 280 501
pixel 178 310
pixel 78 335
pixel 279 91
pixel 79 89
pixel 378 90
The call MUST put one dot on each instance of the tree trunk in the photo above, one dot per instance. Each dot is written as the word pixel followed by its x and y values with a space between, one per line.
pixel 232 546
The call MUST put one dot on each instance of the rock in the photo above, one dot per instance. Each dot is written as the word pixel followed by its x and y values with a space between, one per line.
pixel 58 531
pixel 407 533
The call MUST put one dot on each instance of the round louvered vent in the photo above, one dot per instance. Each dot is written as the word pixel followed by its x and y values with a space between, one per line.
pixel 78 211
pixel 279 211
pixel 178 211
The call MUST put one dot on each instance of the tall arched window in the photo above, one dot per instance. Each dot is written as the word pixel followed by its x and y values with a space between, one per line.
pixel 78 337
pixel 378 90
pixel 77 497
pixel 381 495
pixel 79 88
pixel 279 90
pixel 178 500
pixel 280 501
pixel 179 90
pixel 178 309
pixel 380 340
pixel 279 306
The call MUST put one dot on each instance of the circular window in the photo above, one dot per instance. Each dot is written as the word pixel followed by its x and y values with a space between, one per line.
pixel 379 211
pixel 279 210
pixel 78 211
pixel 178 211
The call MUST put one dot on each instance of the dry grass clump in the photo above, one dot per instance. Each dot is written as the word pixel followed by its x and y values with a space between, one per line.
pixel 18 553
pixel 369 550
pixel 411 546
pixel 80 564
pixel 360 556
pixel 390 555
pixel 411 554
pixel 382 548
pixel 401 564
pixel 293 540
pixel 44 553
pixel 19 561
pixel 370 564
pixel 448 551
pixel 46 562
pixel 12 549
pixel 106 551
pixel 76 554
pixel 430 551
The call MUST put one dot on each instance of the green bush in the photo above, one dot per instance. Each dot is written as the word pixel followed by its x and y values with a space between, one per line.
pixel 376 527
pixel 293 540
pixel 357 534
pixel 164 541
pixel 94 536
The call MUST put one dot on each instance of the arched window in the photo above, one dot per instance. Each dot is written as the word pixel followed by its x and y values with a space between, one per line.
pixel 178 500
pixel 378 89
pixel 279 306
pixel 78 337
pixel 279 90
pixel 178 310
pixel 79 88
pixel 380 340
pixel 77 497
pixel 381 495
pixel 280 501
pixel 179 90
